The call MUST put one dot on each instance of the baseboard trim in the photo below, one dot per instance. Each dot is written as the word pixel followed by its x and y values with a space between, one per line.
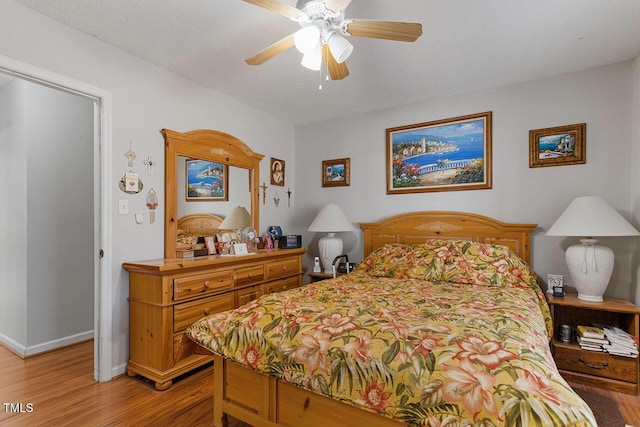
pixel 27 351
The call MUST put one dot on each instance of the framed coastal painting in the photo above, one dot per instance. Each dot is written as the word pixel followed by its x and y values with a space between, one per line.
pixel 443 155
pixel 558 146
pixel 206 181
pixel 336 172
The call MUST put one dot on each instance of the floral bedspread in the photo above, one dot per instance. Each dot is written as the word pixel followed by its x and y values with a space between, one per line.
pixel 433 353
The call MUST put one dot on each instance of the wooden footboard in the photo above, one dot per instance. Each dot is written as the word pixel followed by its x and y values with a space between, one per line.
pixel 261 400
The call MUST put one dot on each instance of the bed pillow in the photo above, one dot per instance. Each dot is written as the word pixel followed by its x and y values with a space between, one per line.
pixel 403 261
pixel 482 264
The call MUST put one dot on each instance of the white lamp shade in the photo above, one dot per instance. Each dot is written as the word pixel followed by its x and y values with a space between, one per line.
pixel 590 266
pixel 307 38
pixel 340 48
pixel 591 216
pixel 238 218
pixel 330 220
pixel 312 60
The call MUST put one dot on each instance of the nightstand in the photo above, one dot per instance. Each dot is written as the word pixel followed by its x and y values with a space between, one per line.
pixel 316 277
pixel 594 368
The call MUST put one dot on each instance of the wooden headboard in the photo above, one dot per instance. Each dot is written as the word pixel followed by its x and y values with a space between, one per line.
pixel 200 224
pixel 416 227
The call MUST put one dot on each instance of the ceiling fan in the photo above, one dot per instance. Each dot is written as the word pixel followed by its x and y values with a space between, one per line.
pixel 322 36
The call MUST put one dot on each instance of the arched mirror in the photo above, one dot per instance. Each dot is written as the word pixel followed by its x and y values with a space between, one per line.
pixel 207 172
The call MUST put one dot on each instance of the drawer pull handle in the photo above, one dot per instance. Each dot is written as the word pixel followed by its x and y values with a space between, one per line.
pixel 589 365
pixel 284 268
pixel 250 275
pixel 207 311
pixel 206 284
pixel 284 287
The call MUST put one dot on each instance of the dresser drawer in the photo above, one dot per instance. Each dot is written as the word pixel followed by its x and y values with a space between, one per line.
pixel 249 275
pixel 189 312
pixel 570 358
pixel 282 284
pixel 283 268
pixel 187 287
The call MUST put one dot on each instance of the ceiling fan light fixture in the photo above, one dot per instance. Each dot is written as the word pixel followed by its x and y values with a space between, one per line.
pixel 312 60
pixel 306 39
pixel 340 47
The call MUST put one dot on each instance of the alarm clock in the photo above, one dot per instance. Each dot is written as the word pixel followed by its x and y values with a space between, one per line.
pixel 290 241
pixel 556 284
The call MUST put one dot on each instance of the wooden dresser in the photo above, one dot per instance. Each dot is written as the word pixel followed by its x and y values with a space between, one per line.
pixel 168 295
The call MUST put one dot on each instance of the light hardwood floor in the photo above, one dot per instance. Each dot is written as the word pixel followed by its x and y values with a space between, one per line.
pixel 59 387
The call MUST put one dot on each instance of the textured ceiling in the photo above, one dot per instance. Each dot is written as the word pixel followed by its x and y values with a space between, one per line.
pixel 467 45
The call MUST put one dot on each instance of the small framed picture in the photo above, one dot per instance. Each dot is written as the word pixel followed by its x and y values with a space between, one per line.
pixel 558 146
pixel 336 172
pixel 556 284
pixel 277 172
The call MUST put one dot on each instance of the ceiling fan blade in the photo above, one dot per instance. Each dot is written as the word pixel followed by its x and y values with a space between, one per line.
pixel 273 50
pixel 336 5
pixel 399 31
pixel 337 71
pixel 278 7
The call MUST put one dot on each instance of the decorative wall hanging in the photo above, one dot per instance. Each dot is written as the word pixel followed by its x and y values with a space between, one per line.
pixel 558 146
pixel 443 155
pixel 130 156
pixel 130 183
pixel 264 187
pixel 206 181
pixel 150 164
pixel 336 172
pixel 277 172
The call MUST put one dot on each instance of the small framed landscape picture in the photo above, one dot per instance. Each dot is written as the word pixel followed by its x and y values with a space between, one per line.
pixel 336 172
pixel 558 146
pixel 206 181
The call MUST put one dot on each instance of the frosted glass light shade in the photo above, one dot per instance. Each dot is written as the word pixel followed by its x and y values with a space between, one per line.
pixel 312 60
pixel 307 38
pixel 330 220
pixel 340 48
pixel 239 217
pixel 590 265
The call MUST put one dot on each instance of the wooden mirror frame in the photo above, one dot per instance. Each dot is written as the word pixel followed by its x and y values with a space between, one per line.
pixel 208 145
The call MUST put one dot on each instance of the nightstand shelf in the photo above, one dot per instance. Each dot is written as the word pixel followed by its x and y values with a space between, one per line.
pixel 316 277
pixel 591 367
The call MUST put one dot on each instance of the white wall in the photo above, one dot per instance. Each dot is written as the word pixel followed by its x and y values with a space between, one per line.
pixel 60 238
pixel 145 100
pixel 13 213
pixel 600 97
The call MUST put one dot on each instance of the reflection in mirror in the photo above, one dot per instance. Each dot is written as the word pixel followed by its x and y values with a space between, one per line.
pixel 237 192
pixel 242 174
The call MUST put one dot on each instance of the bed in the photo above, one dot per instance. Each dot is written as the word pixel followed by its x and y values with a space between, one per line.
pixel 192 226
pixel 442 324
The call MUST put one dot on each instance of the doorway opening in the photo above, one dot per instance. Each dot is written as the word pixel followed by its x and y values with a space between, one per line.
pixel 102 197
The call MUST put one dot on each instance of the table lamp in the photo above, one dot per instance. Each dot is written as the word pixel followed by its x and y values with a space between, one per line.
pixel 590 265
pixel 238 218
pixel 330 220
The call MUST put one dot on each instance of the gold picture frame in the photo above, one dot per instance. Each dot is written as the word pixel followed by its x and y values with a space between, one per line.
pixel 443 155
pixel 336 172
pixel 558 146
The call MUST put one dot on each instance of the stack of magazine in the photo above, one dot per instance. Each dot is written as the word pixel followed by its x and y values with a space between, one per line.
pixel 591 338
pixel 610 339
pixel 621 343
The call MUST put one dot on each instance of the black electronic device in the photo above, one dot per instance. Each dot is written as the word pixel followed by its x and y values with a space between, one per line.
pixel 290 241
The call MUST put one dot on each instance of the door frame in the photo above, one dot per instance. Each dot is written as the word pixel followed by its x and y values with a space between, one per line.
pixel 103 196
